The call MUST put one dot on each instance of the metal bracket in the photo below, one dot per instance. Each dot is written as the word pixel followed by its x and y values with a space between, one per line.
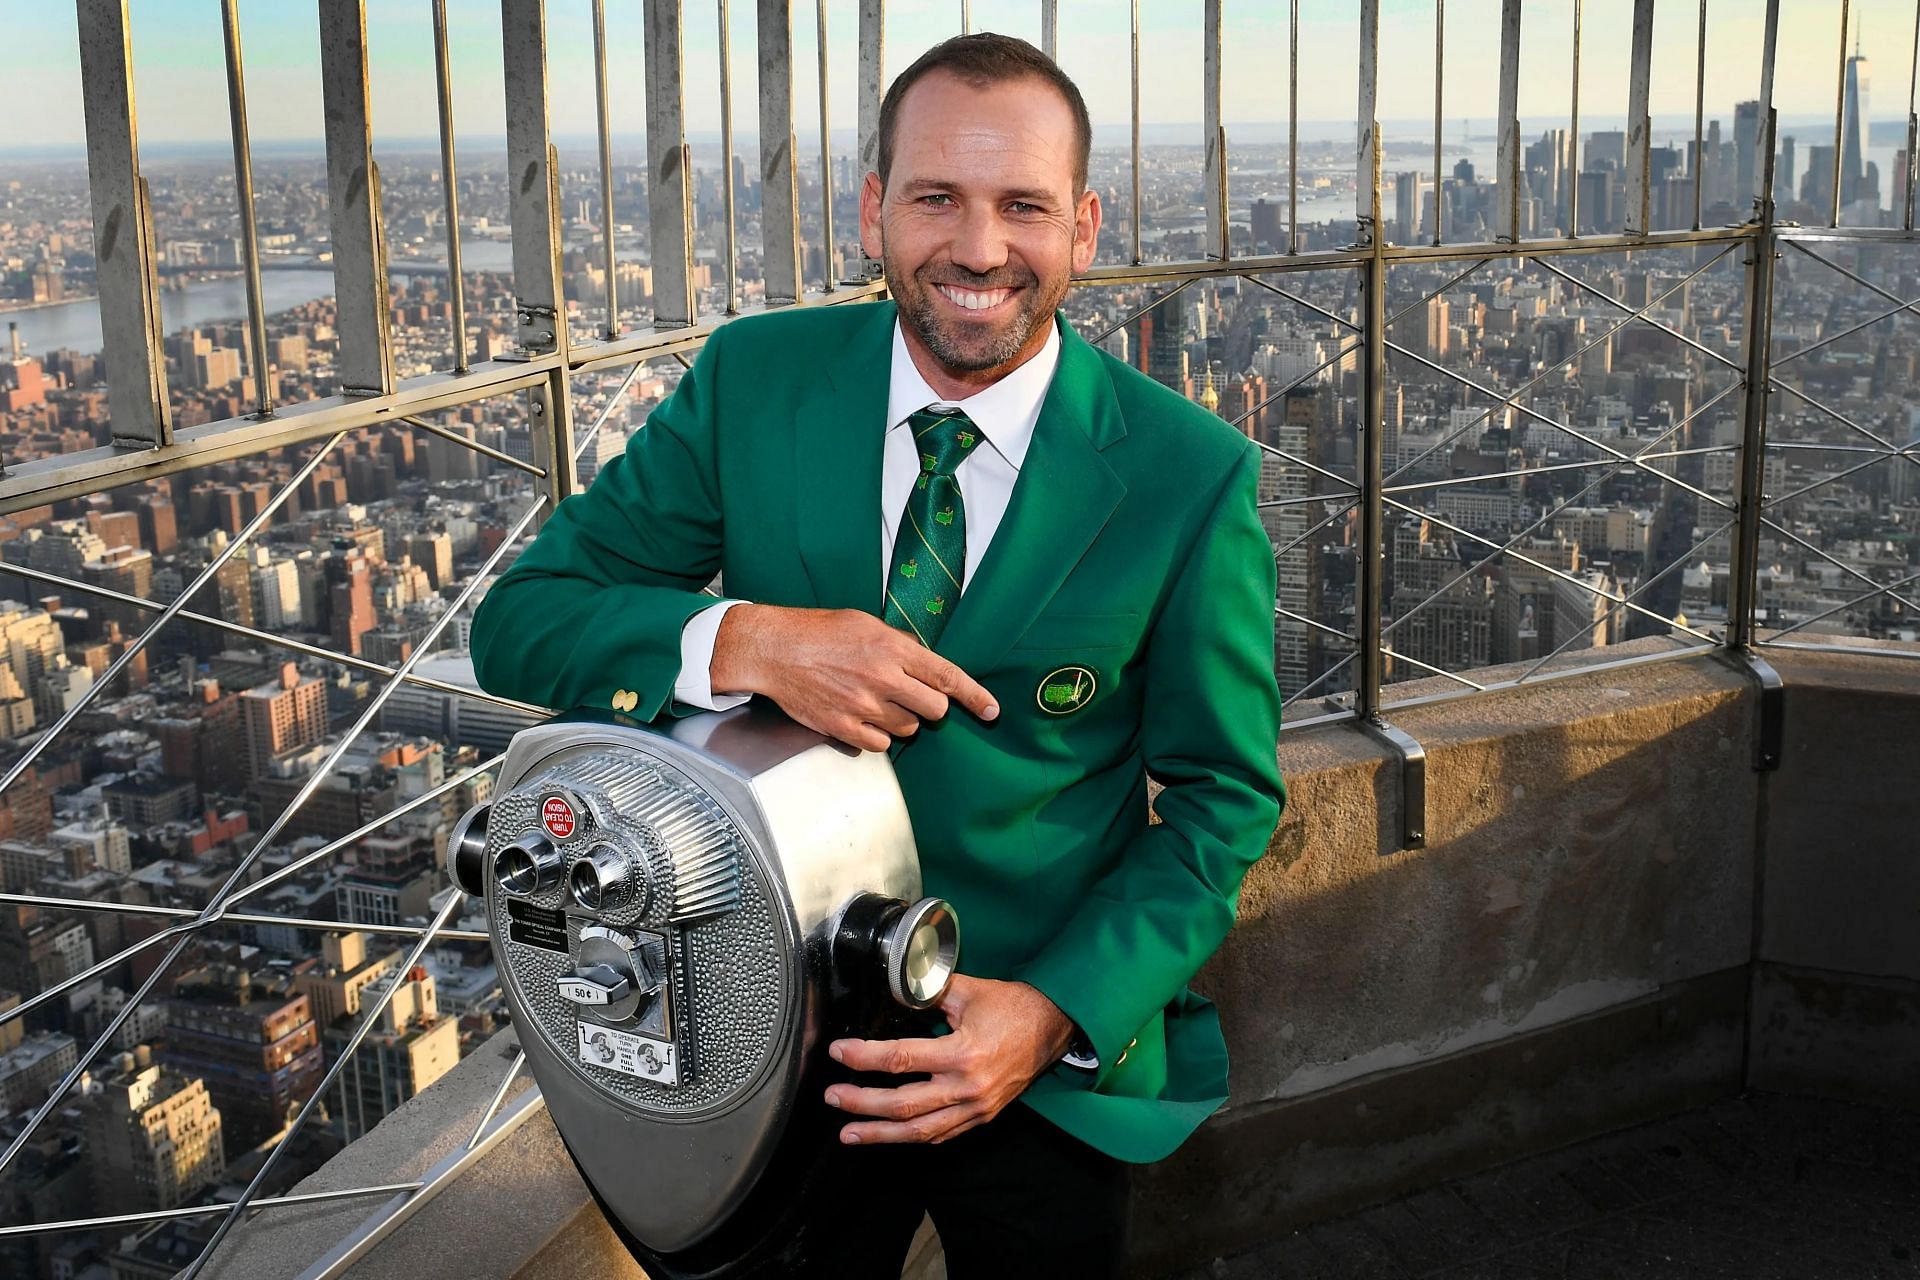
pixel 1768 745
pixel 1413 778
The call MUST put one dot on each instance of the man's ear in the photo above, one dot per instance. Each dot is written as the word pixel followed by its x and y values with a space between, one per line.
pixel 871 193
pixel 1086 229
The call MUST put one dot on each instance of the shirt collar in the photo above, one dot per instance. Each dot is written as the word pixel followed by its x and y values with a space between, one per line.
pixel 1005 412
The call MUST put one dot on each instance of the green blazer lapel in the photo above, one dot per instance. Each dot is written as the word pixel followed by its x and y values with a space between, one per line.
pixel 1064 496
pixel 838 440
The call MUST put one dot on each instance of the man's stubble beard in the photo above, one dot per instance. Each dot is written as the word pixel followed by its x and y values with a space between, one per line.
pixel 953 346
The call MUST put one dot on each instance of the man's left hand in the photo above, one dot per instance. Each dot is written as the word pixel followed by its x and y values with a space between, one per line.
pixel 1004 1035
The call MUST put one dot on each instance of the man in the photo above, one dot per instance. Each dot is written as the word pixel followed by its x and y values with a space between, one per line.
pixel 951 528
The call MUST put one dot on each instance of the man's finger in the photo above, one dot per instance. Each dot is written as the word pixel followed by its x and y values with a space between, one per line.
pixel 933 670
pixel 896 1057
pixel 903 1103
pixel 937 1126
pixel 924 701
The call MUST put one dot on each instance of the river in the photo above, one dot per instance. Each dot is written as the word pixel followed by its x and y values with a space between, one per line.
pixel 75 325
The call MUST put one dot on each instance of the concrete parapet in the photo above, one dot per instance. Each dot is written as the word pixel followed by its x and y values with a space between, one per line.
pixel 1615 917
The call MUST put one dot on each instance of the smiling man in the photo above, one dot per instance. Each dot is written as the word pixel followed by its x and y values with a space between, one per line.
pixel 951 529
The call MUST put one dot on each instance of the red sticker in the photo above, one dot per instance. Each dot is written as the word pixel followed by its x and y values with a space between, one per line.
pixel 557 816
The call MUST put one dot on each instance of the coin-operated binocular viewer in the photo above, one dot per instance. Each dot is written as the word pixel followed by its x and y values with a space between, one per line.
pixel 683 917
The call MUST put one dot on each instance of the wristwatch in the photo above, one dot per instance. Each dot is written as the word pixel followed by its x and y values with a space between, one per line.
pixel 1080 1054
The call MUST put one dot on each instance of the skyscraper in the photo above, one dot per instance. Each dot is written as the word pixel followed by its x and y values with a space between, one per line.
pixel 1853 141
pixel 1746 133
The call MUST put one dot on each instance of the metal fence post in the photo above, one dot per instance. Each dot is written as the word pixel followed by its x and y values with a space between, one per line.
pixel 1743 577
pixel 365 364
pixel 122 231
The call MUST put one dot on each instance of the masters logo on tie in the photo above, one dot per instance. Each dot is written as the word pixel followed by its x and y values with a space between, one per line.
pixel 1065 691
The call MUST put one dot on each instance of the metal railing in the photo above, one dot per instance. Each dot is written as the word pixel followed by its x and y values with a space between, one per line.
pixel 1347 289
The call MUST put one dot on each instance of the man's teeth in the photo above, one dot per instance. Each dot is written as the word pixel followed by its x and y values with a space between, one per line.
pixel 975 299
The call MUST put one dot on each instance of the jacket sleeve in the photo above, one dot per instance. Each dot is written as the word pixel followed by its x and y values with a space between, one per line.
pixel 595 605
pixel 1209 729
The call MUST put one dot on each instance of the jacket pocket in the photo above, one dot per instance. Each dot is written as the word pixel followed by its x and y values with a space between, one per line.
pixel 1080 631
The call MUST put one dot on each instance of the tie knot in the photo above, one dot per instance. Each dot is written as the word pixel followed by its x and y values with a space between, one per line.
pixel 942 438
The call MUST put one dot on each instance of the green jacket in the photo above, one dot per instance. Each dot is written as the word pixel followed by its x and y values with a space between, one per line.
pixel 1132 547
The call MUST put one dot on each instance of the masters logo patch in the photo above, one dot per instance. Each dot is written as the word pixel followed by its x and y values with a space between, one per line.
pixel 1066 690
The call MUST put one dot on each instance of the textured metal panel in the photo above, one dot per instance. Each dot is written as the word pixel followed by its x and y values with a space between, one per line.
pixel 533 187
pixel 669 180
pixel 779 187
pixel 122 230
pixel 1640 123
pixel 365 360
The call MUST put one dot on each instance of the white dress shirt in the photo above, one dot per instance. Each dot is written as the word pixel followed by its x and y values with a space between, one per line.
pixel 1004 413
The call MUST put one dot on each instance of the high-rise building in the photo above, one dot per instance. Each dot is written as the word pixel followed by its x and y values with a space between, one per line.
pixel 253 1040
pixel 338 981
pixel 413 1045
pixel 1406 207
pixel 1746 137
pixel 350 610
pixel 1268 225
pixel 153 1136
pixel 281 716
pixel 1853 137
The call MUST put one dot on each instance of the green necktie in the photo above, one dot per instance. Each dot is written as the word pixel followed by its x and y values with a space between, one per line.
pixel 930 547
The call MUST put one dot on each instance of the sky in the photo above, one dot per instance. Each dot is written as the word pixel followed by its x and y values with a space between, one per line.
pixel 180 87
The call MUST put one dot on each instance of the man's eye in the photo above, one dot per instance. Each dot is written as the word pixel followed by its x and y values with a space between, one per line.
pixel 1021 206
pixel 937 198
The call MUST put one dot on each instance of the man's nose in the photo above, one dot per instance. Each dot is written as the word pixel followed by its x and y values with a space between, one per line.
pixel 981 242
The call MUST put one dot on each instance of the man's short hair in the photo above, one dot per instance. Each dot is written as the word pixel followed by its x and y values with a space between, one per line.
pixel 985 59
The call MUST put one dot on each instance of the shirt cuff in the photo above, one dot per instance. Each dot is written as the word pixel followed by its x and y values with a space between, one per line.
pixel 694 684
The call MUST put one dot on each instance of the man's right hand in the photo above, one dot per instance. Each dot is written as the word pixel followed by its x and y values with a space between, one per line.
pixel 840 672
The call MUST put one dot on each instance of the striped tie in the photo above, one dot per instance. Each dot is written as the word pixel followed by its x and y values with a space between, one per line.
pixel 930 548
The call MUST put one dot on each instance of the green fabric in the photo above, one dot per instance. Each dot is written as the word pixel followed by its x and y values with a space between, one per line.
pixel 930 546
pixel 1131 548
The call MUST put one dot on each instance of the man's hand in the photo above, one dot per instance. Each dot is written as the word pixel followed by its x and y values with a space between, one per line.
pixel 1004 1034
pixel 840 672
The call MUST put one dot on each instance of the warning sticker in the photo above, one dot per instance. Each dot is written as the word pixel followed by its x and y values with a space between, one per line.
pixel 629 1054
pixel 558 817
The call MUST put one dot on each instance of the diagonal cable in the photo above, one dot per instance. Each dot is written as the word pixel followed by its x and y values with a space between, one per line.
pixel 1675 563
pixel 1892 449
pixel 1833 560
pixel 217 903
pixel 484 450
pixel 1544 567
pixel 1512 398
pixel 1168 296
pixel 369 1018
pixel 153 911
pixel 1662 326
pixel 581 445
pixel 269 638
pixel 139 643
pixel 1299 301
pixel 1905 451
pixel 1859 599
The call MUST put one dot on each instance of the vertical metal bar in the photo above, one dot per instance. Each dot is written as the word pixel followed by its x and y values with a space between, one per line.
pixel 1840 115
pixel 1639 218
pixel 779 183
pixel 1743 579
pixel 1439 81
pixel 606 163
pixel 1506 217
pixel 533 188
pixel 1370 577
pixel 550 436
pixel 124 247
pixel 669 170
pixel 873 88
pixel 966 17
pixel 1913 121
pixel 827 270
pixel 1367 199
pixel 1573 134
pixel 1293 126
pixel 243 193
pixel 365 327
pixel 1218 245
pixel 1699 159
pixel 1135 219
pixel 450 184
pixel 726 152
pixel 1050 28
